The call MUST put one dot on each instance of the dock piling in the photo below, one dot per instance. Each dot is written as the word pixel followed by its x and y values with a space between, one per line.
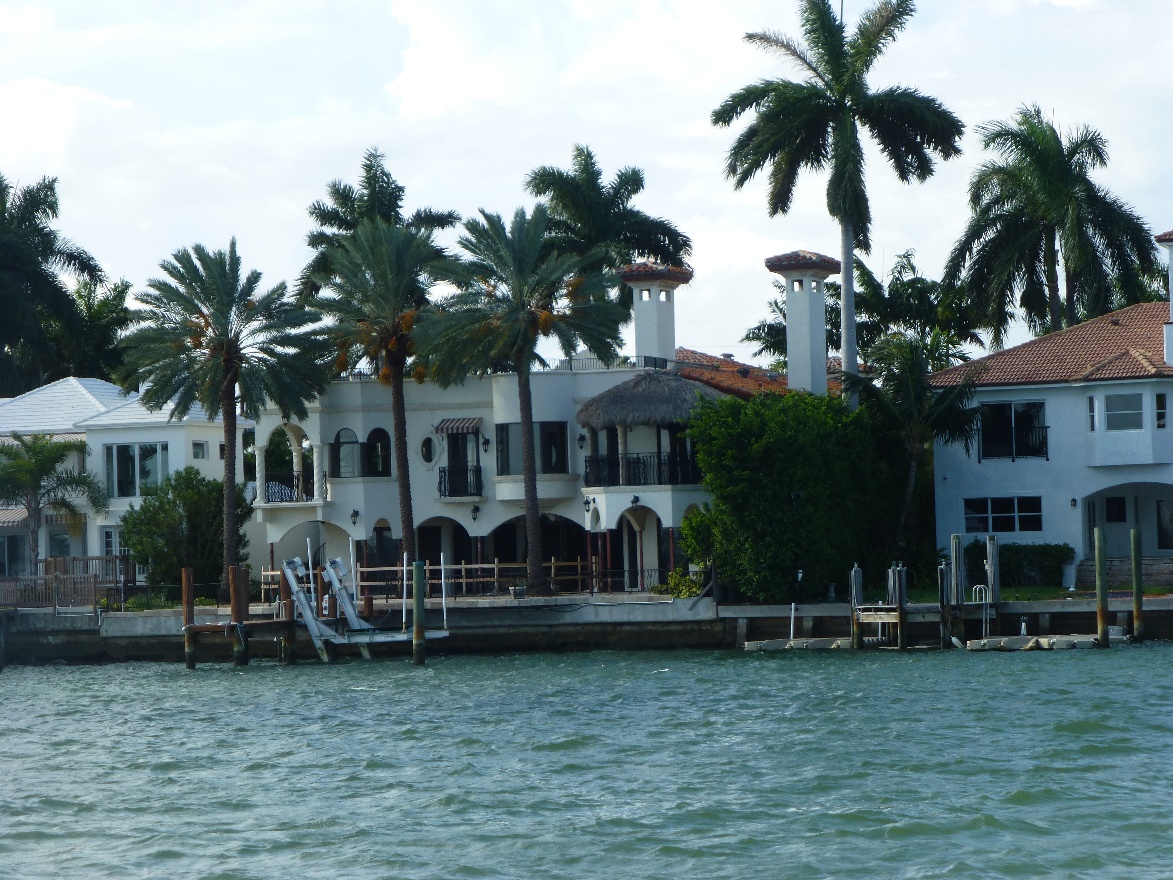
pixel 1101 591
pixel 289 634
pixel 238 604
pixel 1137 590
pixel 186 578
pixel 419 585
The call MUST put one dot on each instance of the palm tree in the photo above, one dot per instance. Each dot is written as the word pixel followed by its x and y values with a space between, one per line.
pixel 1037 206
pixel 32 254
pixel 377 196
pixel 516 290
pixel 206 336
pixel 33 476
pixel 587 216
pixel 380 282
pixel 86 342
pixel 816 124
pixel 909 408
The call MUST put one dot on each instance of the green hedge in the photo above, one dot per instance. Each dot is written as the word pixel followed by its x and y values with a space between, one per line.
pixel 1020 565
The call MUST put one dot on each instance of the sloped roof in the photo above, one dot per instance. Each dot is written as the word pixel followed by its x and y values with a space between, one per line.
pixel 131 413
pixel 1165 237
pixel 649 398
pixel 1125 344
pixel 56 408
pixel 734 377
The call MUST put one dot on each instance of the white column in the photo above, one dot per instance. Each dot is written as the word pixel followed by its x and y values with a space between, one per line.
pixel 319 472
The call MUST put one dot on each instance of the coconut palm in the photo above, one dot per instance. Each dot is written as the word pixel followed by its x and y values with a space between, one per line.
pixel 32 254
pixel 379 285
pixel 909 408
pixel 587 216
pixel 377 196
pixel 206 335
pixel 1036 207
pixel 34 476
pixel 516 290
pixel 816 123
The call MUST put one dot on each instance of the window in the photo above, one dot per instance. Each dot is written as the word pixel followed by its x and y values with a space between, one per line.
pixel 1161 410
pixel 1014 430
pixel 221 452
pixel 427 450
pixel 58 544
pixel 13 553
pixel 1091 413
pixel 112 542
pixel 550 439
pixel 1115 509
pixel 1017 514
pixel 199 450
pixel 344 455
pixel 1122 412
pixel 132 468
pixel 377 461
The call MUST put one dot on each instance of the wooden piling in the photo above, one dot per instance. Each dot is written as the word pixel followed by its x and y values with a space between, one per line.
pixel 1137 590
pixel 1101 591
pixel 419 585
pixel 901 611
pixel 238 603
pixel 186 578
pixel 289 634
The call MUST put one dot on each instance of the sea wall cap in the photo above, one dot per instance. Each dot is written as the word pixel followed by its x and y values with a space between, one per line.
pixel 800 261
pixel 647 271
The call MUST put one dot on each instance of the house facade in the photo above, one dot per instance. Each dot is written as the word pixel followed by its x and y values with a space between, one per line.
pixel 1075 435
pixel 130 449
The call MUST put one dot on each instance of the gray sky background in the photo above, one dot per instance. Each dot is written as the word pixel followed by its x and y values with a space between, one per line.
pixel 170 123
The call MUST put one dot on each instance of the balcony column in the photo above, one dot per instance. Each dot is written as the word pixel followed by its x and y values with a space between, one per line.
pixel 319 472
pixel 262 484
pixel 622 455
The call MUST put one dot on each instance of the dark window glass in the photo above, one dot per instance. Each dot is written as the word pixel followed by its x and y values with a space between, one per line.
pixel 1030 437
pixel 378 454
pixel 1091 413
pixel 977 514
pixel 1002 514
pixel 1123 412
pixel 997 430
pixel 1160 410
pixel 1165 525
pixel 552 444
pixel 1115 509
pixel 428 450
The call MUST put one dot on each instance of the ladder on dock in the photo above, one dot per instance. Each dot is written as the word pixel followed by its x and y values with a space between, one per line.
pixel 358 632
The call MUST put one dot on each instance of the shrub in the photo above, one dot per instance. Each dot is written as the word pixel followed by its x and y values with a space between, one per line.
pixel 1020 565
pixel 682 584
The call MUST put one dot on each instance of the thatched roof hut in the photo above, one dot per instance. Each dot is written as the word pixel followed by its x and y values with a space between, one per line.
pixel 651 398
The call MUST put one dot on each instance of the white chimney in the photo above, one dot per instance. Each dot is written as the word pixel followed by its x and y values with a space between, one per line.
pixel 804 273
pixel 1166 239
pixel 652 311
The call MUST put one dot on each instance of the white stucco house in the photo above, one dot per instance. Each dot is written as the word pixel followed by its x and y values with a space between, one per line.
pixel 130 449
pixel 1075 434
pixel 613 488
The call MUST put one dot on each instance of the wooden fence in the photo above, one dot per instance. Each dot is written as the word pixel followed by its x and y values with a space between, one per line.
pixel 57 591
pixel 111 571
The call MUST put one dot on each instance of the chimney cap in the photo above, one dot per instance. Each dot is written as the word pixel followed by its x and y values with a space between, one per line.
pixel 799 261
pixel 648 271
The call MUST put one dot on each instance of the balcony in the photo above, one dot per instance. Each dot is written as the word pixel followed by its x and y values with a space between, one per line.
pixel 1023 443
pixel 289 488
pixel 640 469
pixel 460 482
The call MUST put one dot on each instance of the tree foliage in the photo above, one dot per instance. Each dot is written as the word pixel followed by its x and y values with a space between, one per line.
pixel 796 483
pixel 178 525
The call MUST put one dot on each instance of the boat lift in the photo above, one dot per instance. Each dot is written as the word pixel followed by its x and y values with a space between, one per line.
pixel 328 633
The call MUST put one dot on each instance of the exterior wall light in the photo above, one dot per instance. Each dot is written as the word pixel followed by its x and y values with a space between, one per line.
pixel 1074 503
pixel 635 501
pixel 354 517
pixel 485 444
pixel 586 504
pixel 581 440
pixel 476 511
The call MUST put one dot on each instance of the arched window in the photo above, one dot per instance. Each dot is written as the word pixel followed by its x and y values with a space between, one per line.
pixel 378 454
pixel 344 455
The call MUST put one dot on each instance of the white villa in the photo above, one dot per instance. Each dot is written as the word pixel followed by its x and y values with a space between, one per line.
pixel 1075 435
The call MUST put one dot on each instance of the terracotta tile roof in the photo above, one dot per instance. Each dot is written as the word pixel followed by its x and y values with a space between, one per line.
pixel 655 272
pixel 1165 237
pixel 1126 344
pixel 730 376
pixel 796 261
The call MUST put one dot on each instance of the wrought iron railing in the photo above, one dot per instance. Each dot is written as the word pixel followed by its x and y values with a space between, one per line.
pixel 1031 443
pixel 289 488
pixel 640 469
pixel 460 482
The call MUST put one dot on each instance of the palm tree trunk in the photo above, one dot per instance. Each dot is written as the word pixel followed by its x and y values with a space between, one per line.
pixel 909 490
pixel 34 515
pixel 849 353
pixel 1069 293
pixel 399 426
pixel 1051 259
pixel 228 414
pixel 533 525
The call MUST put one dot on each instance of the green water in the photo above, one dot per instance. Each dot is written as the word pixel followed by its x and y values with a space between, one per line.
pixel 595 765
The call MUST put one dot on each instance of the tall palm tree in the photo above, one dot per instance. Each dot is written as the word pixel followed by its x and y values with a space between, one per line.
pixel 207 336
pixel 33 476
pixel 86 342
pixel 380 283
pixel 1035 207
pixel 515 290
pixel 377 196
pixel 909 408
pixel 32 254
pixel 588 217
pixel 816 124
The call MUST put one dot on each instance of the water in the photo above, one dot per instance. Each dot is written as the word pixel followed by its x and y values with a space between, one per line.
pixel 596 765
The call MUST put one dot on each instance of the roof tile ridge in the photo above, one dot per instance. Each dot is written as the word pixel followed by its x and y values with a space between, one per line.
pixel 1145 359
pixel 1096 367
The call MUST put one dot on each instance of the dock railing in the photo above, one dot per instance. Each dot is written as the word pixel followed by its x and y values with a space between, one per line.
pixel 64 593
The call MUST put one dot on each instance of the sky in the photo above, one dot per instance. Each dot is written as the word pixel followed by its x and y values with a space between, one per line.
pixel 172 123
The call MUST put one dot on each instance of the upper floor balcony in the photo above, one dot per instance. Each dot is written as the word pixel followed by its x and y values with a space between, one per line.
pixel 640 469
pixel 462 482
